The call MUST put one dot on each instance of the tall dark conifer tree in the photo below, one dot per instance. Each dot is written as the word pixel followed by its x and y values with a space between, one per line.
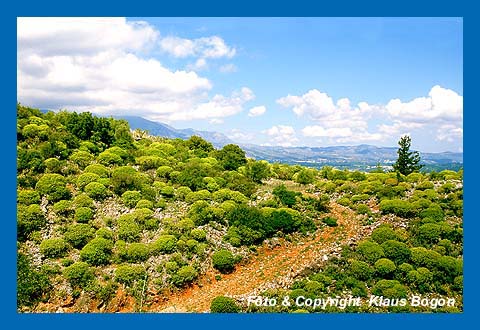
pixel 408 161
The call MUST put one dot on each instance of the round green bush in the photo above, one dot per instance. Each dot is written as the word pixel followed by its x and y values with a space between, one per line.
pixel 184 276
pixel 131 197
pixel 144 204
pixel 164 244
pixel 81 158
pixel 363 209
pixel 127 229
pixel 198 234
pixel 389 289
pixel 361 270
pixel 29 219
pixel 63 208
pixel 54 247
pixel 223 260
pixel 396 251
pixel 171 267
pixel 108 158
pixel 82 200
pixel 164 172
pixel 330 221
pixel 28 197
pixel 96 190
pixel 97 252
pixel 385 267
pixel 53 186
pixel 83 214
pixel 222 304
pixel 79 274
pixel 86 178
pixel 53 165
pixel 79 234
pixel 182 192
pixel 370 251
pixel 104 233
pixel 98 169
pixel 128 274
pixel 167 191
pixel 136 252
pixel 383 234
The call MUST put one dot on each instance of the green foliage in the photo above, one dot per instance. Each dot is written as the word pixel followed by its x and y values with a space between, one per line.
pixel 144 204
pixel 286 197
pixel 29 219
pixel 32 284
pixel 384 233
pixel 363 209
pixel 54 247
pixel 53 165
pixel 127 229
pixel 223 260
pixel 305 176
pixel 81 158
pixel 79 274
pixel 257 170
pixel 164 244
pixel 385 267
pixel 63 208
pixel 361 270
pixel 28 197
pixel 53 186
pixel 137 252
pixel 83 214
pixel 398 207
pixel 98 169
pixel 408 161
pixel 185 275
pixel 129 274
pixel 124 178
pixel 231 157
pixel 97 252
pixel 131 198
pixel 396 251
pixel 96 190
pixel 79 234
pixel 83 200
pixel 164 172
pixel 223 304
pixel 330 221
pixel 198 234
pixel 390 289
pixel 370 251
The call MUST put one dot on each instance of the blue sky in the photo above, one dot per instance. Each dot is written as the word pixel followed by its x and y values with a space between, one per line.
pixel 310 81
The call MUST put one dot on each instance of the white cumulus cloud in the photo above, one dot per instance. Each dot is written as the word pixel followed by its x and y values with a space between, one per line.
pixel 257 111
pixel 281 135
pixel 102 65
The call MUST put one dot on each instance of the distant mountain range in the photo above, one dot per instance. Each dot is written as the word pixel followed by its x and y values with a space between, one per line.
pixel 362 157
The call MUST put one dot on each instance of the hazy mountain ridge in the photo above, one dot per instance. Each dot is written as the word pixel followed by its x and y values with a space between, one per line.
pixel 363 156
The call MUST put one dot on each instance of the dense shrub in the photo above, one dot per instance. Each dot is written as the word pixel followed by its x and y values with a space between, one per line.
pixel 53 186
pixel 330 221
pixel 305 176
pixel 184 276
pixel 83 200
pixel 202 213
pixel 384 233
pixel 98 169
pixel 164 244
pixel 79 234
pixel 28 197
pixel 32 284
pixel 128 274
pixel 396 251
pixel 223 304
pixel 361 270
pixel 54 247
pixel 79 274
pixel 390 289
pixel 396 206
pixel 136 252
pixel 198 234
pixel 83 214
pixel 143 203
pixel 131 198
pixel 86 178
pixel 63 208
pixel 198 196
pixel 127 229
pixel 97 252
pixel 363 209
pixel 223 260
pixel 29 219
pixel 370 251
pixel 384 267
pixel 96 190
pixel 286 197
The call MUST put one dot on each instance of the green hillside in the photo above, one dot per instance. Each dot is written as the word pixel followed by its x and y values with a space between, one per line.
pixel 113 220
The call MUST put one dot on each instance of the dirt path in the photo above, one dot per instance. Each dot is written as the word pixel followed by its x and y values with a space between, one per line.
pixel 271 268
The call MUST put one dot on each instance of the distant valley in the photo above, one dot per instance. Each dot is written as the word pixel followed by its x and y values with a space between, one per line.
pixel 362 157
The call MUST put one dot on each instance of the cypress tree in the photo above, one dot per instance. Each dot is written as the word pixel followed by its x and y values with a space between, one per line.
pixel 408 161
